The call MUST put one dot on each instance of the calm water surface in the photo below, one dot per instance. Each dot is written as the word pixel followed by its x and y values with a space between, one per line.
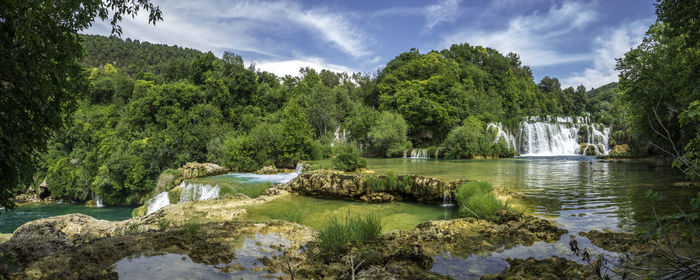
pixel 11 220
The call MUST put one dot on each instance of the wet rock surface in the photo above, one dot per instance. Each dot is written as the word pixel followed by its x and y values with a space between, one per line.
pixel 338 185
pixel 550 268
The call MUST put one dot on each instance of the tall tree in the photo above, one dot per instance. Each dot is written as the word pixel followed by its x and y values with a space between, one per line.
pixel 40 77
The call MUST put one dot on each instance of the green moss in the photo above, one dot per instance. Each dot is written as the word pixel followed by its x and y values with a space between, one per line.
pixel 139 211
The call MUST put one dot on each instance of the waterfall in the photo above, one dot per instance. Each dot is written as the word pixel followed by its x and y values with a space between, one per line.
pixel 154 204
pixel 419 153
pixel 339 137
pixel 193 191
pixel 98 201
pixel 550 136
pixel 446 199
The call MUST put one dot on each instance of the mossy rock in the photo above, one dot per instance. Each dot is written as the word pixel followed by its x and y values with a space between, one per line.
pixel 174 195
pixel 139 211
pixel 90 203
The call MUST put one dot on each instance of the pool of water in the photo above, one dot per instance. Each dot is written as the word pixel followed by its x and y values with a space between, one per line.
pixel 316 212
pixel 11 220
pixel 246 265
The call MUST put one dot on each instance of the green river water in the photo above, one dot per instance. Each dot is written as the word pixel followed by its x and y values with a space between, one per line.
pixel 579 193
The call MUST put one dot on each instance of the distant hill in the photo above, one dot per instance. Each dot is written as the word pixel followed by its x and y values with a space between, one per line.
pixel 134 56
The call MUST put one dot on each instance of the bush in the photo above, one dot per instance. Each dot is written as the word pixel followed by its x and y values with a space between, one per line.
pixel 431 151
pixel 476 200
pixel 320 150
pixel 348 158
pixel 174 195
pixel 389 183
pixel 471 140
pixel 336 234
pixel 166 180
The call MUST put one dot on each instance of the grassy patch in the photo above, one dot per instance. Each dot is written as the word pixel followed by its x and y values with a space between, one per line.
pixel 251 190
pixel 476 200
pixel 389 183
pixel 174 195
pixel 293 215
pixel 337 233
pixel 163 224
pixel 191 227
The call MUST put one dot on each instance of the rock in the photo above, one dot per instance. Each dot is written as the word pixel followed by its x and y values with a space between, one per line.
pixel 620 150
pixel 269 169
pixel 612 241
pixel 45 237
pixel 91 203
pixel 38 194
pixel 550 268
pixel 338 185
pixel 139 211
pixel 193 170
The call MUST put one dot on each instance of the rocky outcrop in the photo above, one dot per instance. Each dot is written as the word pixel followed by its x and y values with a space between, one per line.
pixel 193 170
pixel 269 169
pixel 38 194
pixel 338 185
pixel 620 150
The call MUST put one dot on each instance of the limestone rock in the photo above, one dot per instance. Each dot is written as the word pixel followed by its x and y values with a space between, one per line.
pixel 269 169
pixel 193 170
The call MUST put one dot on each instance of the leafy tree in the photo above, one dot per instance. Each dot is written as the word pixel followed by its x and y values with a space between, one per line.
pixel 40 77
pixel 297 136
pixel 348 158
pixel 387 137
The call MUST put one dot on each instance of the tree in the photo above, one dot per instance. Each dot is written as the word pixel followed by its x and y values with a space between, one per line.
pixel 296 135
pixel 40 78
pixel 388 137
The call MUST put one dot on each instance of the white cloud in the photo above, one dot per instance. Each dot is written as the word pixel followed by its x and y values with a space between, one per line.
pixel 613 44
pixel 217 25
pixel 444 11
pixel 291 67
pixel 534 36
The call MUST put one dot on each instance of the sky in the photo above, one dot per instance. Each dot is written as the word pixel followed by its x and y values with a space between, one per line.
pixel 574 41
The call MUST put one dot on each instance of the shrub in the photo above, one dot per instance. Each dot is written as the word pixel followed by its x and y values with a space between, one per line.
pixel 166 180
pixel 431 151
pixel 389 183
pixel 471 140
pixel 348 158
pixel 174 195
pixel 476 200
pixel 336 234
pixel 320 150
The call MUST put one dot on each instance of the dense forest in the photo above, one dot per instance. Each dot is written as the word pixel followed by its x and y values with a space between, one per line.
pixel 152 107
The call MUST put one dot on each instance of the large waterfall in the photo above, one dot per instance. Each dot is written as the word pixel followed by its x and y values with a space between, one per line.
pixel 551 136
pixel 193 191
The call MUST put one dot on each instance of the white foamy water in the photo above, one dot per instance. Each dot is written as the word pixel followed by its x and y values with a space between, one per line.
pixel 279 178
pixel 154 204
pixel 193 191
pixel 554 136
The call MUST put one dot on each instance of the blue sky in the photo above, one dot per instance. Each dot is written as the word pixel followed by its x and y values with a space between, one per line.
pixel 576 42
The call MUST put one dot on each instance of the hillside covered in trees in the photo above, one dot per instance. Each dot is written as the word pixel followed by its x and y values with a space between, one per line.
pixel 152 107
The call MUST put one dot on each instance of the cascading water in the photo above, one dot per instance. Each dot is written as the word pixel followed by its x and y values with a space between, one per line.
pixel 191 191
pixel 549 136
pixel 419 153
pixel 98 201
pixel 339 137
pixel 154 204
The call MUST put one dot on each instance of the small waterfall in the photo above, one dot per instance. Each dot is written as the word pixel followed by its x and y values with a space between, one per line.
pixel 300 168
pixel 404 154
pixel 192 191
pixel 437 152
pixel 419 153
pixel 154 204
pixel 446 199
pixel 339 137
pixel 98 201
pixel 548 136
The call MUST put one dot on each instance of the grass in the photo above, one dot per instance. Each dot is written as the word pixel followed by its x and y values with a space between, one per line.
pixel 337 233
pixel 163 224
pixel 293 215
pixel 476 200
pixel 166 180
pixel 174 196
pixel 389 183
pixel 131 228
pixel 192 226
pixel 251 190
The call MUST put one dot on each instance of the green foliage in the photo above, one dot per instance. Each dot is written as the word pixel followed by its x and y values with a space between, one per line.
pixel 296 136
pixel 347 158
pixel 251 190
pixel 389 183
pixel 174 196
pixel 45 88
pixel 166 180
pixel 472 139
pixel 131 228
pixel 336 233
pixel 62 181
pixel 476 200
pixel 388 137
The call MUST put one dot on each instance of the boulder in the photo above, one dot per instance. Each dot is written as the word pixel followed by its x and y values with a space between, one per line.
pixel 269 169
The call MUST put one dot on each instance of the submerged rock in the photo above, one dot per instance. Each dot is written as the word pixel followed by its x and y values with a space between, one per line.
pixel 550 268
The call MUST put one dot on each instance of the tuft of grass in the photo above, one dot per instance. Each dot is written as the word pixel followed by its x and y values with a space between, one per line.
pixel 174 196
pixel 192 227
pixel 389 183
pixel 131 228
pixel 476 200
pixel 336 233
pixel 163 224
pixel 293 215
